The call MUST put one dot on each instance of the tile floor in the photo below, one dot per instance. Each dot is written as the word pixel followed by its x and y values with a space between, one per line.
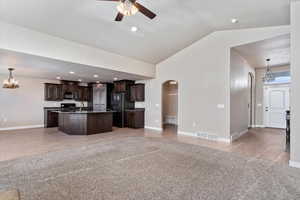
pixel 260 143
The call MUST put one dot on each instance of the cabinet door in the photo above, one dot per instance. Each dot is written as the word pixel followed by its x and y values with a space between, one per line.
pixel 86 94
pixel 133 93
pixel 53 92
pixel 78 93
pixel 140 92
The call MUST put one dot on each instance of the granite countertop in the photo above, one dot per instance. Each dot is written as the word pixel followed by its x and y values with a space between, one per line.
pixel 85 112
pixel 135 109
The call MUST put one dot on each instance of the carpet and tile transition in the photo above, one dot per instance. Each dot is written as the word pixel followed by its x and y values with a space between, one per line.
pixel 139 168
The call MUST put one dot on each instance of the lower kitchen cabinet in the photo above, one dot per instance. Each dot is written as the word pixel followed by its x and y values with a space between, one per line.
pixel 50 118
pixel 135 118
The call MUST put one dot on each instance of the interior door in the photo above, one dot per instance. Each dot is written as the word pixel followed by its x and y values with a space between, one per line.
pixel 277 102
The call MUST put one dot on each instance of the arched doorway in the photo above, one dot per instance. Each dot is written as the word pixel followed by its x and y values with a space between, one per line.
pixel 170 106
pixel 250 101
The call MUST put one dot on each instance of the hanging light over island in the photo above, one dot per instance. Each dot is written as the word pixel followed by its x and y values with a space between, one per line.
pixel 10 83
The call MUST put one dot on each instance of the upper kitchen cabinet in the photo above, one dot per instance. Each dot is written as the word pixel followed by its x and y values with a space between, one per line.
pixel 137 92
pixel 82 93
pixel 122 86
pixel 53 92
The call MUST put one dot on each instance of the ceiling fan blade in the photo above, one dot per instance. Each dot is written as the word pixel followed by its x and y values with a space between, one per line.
pixel 119 17
pixel 145 10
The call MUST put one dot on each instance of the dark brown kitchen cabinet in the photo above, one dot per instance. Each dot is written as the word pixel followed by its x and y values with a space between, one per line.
pixel 135 118
pixel 122 86
pixel 50 117
pixel 86 93
pixel 137 92
pixel 82 93
pixel 53 92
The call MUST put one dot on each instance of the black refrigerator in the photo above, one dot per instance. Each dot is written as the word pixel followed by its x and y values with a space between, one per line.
pixel 120 103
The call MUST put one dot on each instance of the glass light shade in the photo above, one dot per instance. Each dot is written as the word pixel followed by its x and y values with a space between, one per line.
pixel 10 83
pixel 127 8
pixel 269 76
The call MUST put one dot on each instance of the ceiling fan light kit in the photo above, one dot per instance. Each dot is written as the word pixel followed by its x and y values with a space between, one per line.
pixel 129 8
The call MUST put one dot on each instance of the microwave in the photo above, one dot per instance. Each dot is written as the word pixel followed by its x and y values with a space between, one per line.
pixel 68 95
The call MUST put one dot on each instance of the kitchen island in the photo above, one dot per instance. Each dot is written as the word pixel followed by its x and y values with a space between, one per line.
pixel 85 122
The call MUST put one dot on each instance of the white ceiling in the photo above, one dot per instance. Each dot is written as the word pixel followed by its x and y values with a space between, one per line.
pixel 277 49
pixel 46 68
pixel 178 24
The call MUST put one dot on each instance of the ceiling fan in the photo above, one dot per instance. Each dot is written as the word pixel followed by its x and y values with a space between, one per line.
pixel 130 7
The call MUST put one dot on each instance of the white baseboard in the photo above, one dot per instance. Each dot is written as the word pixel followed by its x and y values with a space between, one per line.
pixel 153 128
pixel 294 164
pixel 21 127
pixel 235 136
pixel 258 126
pixel 205 136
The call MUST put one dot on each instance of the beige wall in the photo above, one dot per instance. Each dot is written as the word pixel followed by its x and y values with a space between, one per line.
pixel 259 93
pixel 24 106
pixel 170 103
pixel 239 93
pixel 203 73
pixel 295 89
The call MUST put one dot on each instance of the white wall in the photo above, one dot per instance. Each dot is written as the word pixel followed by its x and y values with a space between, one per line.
pixel 24 106
pixel 239 93
pixel 259 92
pixel 203 73
pixel 295 85
pixel 19 39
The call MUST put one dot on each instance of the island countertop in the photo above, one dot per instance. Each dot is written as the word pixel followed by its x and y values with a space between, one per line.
pixel 85 112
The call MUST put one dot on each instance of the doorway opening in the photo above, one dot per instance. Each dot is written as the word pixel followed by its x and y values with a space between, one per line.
pixel 250 104
pixel 170 106
pixel 259 98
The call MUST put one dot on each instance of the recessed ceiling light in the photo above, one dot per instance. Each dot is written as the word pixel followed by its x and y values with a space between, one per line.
pixel 96 76
pixel 134 29
pixel 72 72
pixel 58 77
pixel 79 80
pixel 115 79
pixel 234 21
pixel 97 81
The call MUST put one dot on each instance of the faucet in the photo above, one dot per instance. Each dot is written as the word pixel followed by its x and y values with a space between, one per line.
pixel 82 106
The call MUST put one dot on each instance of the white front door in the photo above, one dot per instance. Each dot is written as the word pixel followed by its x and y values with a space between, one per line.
pixel 277 102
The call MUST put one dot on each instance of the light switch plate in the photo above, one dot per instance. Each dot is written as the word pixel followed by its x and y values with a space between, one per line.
pixel 221 106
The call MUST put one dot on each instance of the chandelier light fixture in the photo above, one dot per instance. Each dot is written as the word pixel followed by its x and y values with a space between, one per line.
pixel 127 8
pixel 269 76
pixel 10 83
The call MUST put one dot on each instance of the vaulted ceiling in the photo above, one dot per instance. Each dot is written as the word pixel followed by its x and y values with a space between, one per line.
pixel 178 23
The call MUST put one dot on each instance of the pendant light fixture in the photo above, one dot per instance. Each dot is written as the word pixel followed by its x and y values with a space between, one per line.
pixel 10 83
pixel 269 76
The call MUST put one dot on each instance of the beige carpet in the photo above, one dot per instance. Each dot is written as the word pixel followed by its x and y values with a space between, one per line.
pixel 139 168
